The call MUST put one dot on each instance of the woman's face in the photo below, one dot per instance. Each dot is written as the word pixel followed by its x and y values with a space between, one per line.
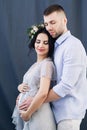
pixel 41 45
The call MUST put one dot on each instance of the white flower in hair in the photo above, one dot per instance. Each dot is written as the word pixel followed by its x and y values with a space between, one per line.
pixel 33 29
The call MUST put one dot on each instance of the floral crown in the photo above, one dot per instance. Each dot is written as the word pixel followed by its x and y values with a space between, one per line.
pixel 33 29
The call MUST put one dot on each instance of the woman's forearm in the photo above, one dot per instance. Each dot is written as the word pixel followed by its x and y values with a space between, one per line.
pixel 38 100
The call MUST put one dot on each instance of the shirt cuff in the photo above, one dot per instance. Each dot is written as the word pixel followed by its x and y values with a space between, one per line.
pixel 61 90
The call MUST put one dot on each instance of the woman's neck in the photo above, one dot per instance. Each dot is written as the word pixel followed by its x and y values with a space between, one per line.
pixel 41 58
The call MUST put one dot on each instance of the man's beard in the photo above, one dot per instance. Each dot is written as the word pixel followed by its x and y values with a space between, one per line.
pixel 58 35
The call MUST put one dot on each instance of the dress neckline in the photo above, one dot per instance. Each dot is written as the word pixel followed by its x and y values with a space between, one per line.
pixel 48 58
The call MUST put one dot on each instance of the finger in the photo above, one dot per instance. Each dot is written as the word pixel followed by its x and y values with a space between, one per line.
pixel 23 107
pixel 26 87
pixel 23 90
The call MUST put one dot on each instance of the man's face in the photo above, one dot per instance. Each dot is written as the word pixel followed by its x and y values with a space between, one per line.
pixel 55 23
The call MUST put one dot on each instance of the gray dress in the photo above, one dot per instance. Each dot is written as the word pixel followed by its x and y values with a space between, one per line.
pixel 43 118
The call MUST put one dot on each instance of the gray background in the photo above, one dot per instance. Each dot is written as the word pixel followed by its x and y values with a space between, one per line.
pixel 15 17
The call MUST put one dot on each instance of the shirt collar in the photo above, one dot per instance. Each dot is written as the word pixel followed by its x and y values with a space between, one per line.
pixel 62 38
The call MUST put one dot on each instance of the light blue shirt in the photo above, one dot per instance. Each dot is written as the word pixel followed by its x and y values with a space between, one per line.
pixel 70 62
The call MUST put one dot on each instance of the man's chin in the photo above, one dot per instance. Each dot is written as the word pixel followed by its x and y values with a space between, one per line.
pixel 52 35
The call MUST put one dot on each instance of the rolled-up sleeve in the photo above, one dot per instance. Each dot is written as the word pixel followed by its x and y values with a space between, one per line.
pixel 73 65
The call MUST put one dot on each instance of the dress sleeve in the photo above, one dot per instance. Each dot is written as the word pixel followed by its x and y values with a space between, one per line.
pixel 47 70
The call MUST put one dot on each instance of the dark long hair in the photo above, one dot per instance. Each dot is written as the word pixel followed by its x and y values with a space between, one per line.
pixel 50 41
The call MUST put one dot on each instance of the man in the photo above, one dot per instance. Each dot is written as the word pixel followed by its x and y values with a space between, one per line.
pixel 69 96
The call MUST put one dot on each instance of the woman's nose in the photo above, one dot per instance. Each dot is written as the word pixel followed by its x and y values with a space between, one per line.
pixel 41 44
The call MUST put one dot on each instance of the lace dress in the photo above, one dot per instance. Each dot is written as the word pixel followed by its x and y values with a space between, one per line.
pixel 43 118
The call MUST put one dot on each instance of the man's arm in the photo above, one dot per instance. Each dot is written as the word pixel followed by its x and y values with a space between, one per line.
pixel 52 96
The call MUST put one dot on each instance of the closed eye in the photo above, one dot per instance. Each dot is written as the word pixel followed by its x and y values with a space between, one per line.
pixel 52 22
pixel 45 42
pixel 38 41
